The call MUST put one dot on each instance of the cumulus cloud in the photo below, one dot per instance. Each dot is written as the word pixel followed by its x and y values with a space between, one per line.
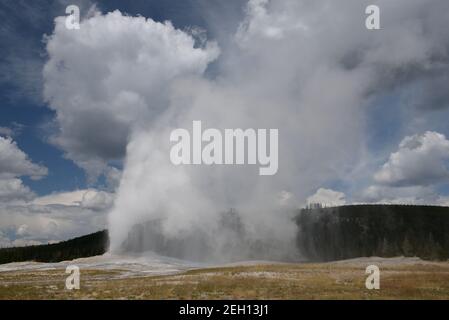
pixel 70 198
pixel 51 218
pixel 113 177
pixel 26 224
pixel 26 219
pixel 327 197
pixel 22 230
pixel 259 23
pixel 97 200
pixel 87 198
pixel 291 68
pixel 287 67
pixel 13 189
pixel 400 195
pixel 14 162
pixel 111 75
pixel 413 174
pixel 6 241
pixel 22 58
pixel 420 160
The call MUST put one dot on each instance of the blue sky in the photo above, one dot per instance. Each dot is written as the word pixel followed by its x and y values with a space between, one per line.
pixel 25 24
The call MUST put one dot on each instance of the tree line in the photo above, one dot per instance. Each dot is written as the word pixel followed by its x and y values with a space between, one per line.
pixel 326 234
pixel 90 245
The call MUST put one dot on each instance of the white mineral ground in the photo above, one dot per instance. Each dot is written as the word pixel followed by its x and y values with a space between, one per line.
pixel 153 264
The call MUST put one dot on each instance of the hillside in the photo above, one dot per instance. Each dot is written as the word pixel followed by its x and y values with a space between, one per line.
pixel 85 246
pixel 327 234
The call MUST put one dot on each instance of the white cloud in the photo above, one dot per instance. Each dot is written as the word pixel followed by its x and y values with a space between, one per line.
pixel 71 198
pixel 6 242
pixel 420 160
pixel 25 224
pixel 113 177
pixel 14 162
pixel 288 67
pixel 399 195
pixel 14 190
pixel 413 195
pixel 22 230
pixel 55 217
pixel 26 219
pixel 86 198
pixel 97 200
pixel 327 197
pixel 115 72
pixel 259 23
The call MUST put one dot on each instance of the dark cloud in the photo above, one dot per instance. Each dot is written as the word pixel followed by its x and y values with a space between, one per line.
pixel 92 134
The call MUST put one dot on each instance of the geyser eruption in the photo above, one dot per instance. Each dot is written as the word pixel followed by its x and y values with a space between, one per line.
pixel 285 66
pixel 187 211
pixel 182 210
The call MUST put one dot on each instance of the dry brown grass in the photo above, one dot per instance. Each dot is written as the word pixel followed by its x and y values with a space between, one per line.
pixel 280 281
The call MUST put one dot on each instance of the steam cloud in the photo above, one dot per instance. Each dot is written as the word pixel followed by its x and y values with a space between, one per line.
pixel 307 68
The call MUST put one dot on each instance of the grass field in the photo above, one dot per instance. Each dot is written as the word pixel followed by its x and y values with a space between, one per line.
pixel 400 279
